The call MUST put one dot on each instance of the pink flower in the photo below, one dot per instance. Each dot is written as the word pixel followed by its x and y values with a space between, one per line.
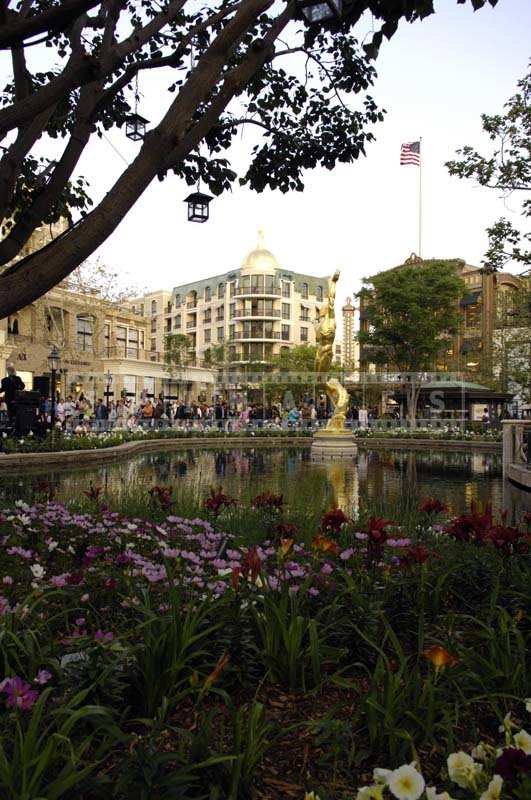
pixel 43 676
pixel 59 580
pixel 19 693
pixel 4 606
pixel 80 621
pixel 7 580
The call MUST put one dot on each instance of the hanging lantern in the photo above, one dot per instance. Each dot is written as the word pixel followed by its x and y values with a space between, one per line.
pixel 316 11
pixel 198 206
pixel 135 127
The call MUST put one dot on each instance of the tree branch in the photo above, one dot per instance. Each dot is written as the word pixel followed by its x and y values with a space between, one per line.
pixel 54 20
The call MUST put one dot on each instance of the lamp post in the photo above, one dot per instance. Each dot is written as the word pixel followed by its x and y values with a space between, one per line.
pixel 108 378
pixel 53 360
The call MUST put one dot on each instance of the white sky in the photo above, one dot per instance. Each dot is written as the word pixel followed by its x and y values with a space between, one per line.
pixel 435 78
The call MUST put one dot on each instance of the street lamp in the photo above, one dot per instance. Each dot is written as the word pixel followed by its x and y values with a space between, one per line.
pixel 108 378
pixel 135 127
pixel 317 11
pixel 53 360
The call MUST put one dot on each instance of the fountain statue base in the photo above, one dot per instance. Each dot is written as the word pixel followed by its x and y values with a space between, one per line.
pixel 328 444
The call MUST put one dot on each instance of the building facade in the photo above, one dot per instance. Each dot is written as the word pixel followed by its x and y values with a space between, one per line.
pixel 486 306
pixel 350 345
pixel 243 316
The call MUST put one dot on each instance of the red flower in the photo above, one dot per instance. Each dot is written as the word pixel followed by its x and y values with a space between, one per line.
pixel 217 501
pixel 472 527
pixel 414 555
pixel 93 492
pixel 162 494
pixel 286 530
pixel 251 564
pixel 235 576
pixel 268 500
pixel 333 520
pixel 508 540
pixel 376 529
pixel 433 506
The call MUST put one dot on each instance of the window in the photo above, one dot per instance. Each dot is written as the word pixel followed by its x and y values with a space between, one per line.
pixel 208 294
pixel 84 331
pixel 141 339
pixel 304 291
pixel 286 289
pixel 153 345
pixel 221 291
pixel 232 310
pixel 208 315
pixel 107 336
pixel 269 284
pixel 285 311
pixel 232 353
pixel 221 334
pixel 285 333
pixel 130 385
pixel 207 336
pixel 132 344
pixel 232 331
pixel 141 309
pixel 121 339
pixel 304 334
pixel 177 300
pixel 153 306
pixel 318 293
pixel 305 313
pixel 177 321
pixel 168 307
pixel 168 324
pixel 153 326
pixel 232 288
pixel 221 313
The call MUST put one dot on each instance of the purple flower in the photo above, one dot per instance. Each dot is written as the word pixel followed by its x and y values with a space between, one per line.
pixel 43 676
pixel 19 693
pixel 103 637
pixel 346 554
pixel 4 606
pixel 512 763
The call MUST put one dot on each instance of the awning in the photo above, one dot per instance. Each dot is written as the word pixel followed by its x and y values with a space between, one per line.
pixel 470 299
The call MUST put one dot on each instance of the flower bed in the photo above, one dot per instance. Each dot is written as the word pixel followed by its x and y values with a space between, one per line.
pixel 98 440
pixel 158 656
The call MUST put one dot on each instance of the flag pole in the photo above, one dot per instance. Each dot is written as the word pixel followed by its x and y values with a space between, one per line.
pixel 420 196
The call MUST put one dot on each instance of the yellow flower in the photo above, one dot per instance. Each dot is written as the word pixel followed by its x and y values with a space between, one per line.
pixel 432 794
pixel 462 769
pixel 523 740
pixel 493 790
pixel 374 792
pixel 440 657
pixel 311 796
pixel 527 702
pixel 406 783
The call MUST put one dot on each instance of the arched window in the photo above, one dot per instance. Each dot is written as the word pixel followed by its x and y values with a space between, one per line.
pixel 208 294
pixel 177 299
pixel 12 326
pixel 153 306
pixel 318 293
pixel 304 291
pixel 221 291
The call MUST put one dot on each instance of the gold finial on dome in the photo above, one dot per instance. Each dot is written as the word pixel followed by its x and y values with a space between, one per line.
pixel 260 257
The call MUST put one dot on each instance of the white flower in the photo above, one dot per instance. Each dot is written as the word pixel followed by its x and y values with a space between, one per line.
pixel 523 740
pixel 462 769
pixel 380 775
pixel 52 544
pixel 506 724
pixel 493 790
pixel 432 794
pixel 406 783
pixel 37 570
pixel 311 796
pixel 527 702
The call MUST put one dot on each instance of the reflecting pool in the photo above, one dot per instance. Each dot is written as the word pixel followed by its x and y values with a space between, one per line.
pixel 376 477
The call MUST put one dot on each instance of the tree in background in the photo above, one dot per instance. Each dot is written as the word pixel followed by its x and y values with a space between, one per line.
pixel 292 374
pixel 227 64
pixel 508 170
pixel 411 311
pixel 176 352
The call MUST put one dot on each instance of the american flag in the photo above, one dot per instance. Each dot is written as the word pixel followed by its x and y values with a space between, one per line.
pixel 410 153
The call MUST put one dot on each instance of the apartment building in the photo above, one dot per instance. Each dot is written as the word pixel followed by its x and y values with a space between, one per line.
pixel 246 315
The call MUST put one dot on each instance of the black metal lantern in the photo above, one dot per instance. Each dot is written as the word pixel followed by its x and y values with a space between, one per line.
pixel 198 206
pixel 135 127
pixel 317 11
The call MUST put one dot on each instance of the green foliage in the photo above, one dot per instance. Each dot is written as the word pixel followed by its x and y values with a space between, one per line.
pixel 176 350
pixel 507 170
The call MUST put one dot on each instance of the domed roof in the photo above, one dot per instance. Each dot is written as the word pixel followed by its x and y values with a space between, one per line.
pixel 260 258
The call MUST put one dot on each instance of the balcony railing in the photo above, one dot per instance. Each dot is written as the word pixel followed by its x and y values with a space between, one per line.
pixel 256 290
pixel 191 304
pixel 273 336
pixel 190 325
pixel 257 313
pixel 123 351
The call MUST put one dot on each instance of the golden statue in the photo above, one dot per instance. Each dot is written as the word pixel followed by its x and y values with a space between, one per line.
pixel 325 335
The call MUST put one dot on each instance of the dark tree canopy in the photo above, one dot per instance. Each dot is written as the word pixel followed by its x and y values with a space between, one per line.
pixel 227 63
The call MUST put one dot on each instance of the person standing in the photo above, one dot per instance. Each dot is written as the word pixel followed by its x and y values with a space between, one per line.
pixel 11 385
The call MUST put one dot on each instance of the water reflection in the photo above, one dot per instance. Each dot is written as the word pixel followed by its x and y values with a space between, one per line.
pixel 391 476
